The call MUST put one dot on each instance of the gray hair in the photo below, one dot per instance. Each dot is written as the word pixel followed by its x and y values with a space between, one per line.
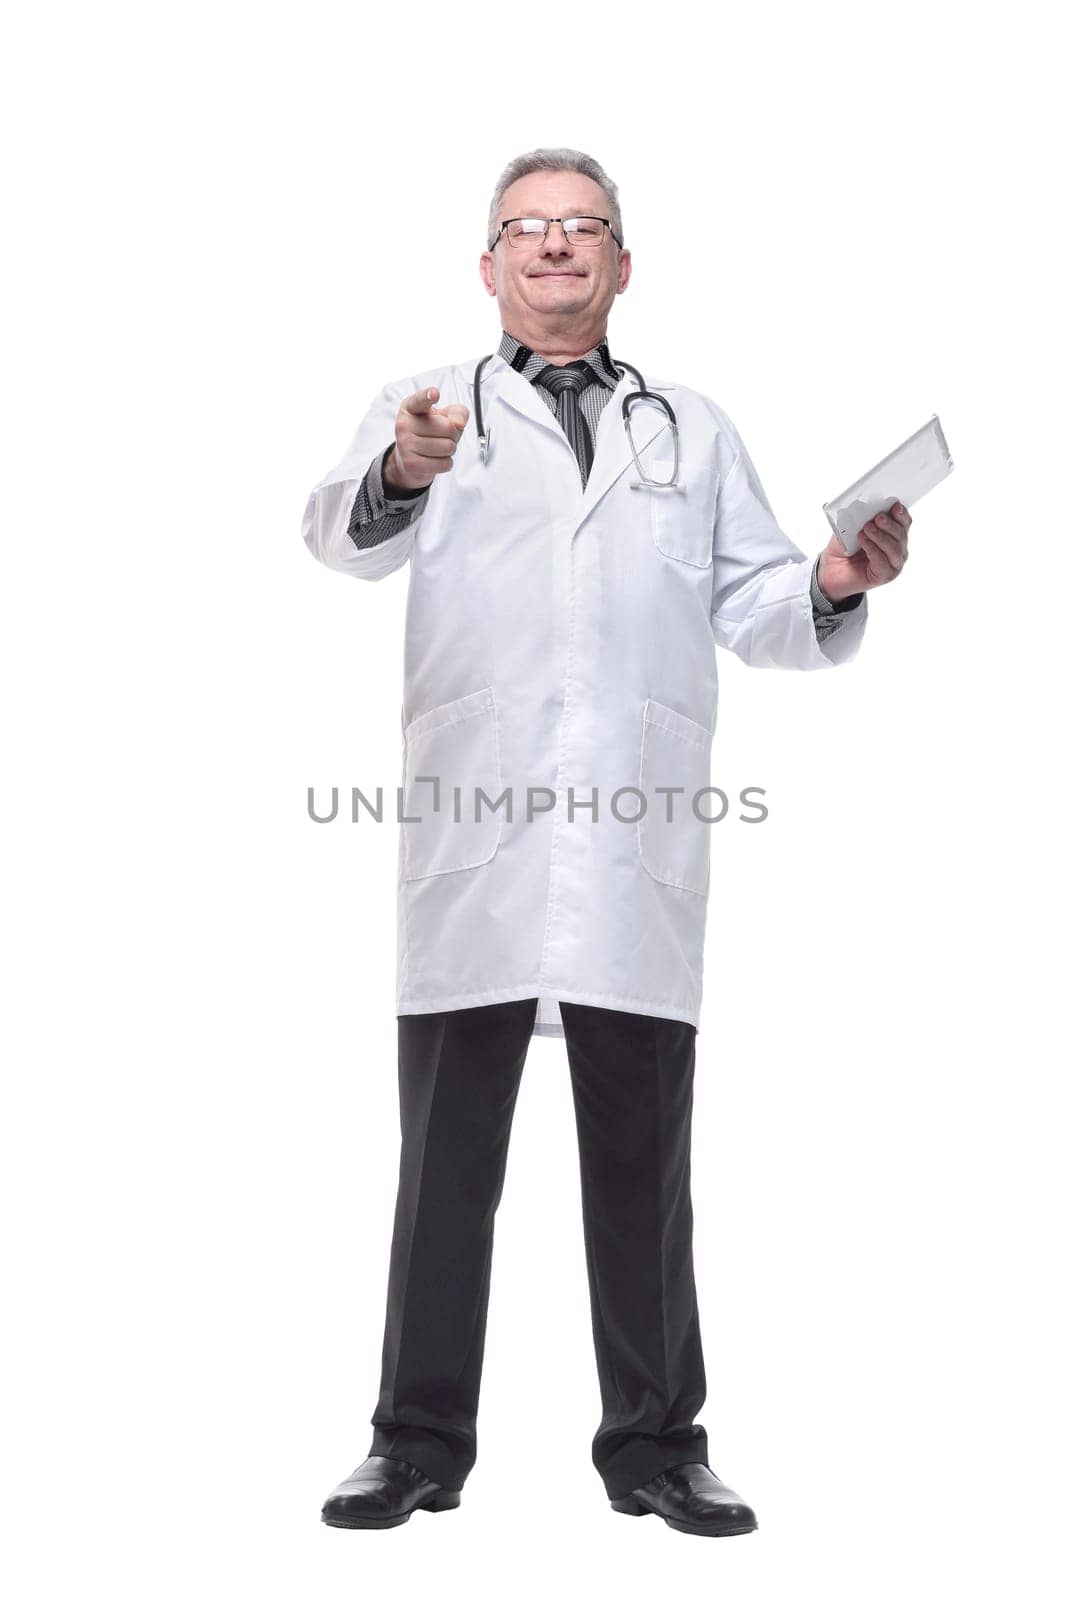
pixel 559 159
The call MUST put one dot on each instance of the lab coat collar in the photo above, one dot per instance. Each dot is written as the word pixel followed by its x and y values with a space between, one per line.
pixel 611 454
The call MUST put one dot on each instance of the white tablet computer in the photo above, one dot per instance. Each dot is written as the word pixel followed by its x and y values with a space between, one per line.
pixel 906 474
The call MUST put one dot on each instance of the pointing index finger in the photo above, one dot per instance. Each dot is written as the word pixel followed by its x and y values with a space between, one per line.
pixel 421 401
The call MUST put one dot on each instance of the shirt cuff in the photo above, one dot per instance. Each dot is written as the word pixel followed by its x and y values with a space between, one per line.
pixel 376 515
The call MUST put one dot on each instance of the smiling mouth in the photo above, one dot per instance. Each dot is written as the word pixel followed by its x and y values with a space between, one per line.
pixel 556 274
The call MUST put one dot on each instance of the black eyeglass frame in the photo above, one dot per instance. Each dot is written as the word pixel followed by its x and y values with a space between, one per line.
pixel 548 221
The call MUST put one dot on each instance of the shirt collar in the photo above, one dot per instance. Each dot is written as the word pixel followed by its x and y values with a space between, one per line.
pixel 531 362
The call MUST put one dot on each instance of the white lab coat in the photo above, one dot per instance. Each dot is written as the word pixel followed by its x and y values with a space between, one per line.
pixel 558 639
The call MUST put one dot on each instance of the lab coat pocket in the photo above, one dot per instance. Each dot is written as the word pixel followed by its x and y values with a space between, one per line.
pixel 683 518
pixel 450 754
pixel 674 846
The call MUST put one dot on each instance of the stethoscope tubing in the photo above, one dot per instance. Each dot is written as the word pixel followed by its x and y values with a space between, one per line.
pixel 629 400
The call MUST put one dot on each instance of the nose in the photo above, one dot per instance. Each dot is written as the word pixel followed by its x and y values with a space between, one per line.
pixel 547 245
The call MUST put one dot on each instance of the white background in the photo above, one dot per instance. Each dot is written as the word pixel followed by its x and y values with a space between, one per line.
pixel 232 225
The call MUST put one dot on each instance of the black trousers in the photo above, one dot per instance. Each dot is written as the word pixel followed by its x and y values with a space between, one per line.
pixel 632 1081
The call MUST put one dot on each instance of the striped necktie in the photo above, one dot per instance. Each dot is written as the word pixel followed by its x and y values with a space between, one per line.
pixel 567 383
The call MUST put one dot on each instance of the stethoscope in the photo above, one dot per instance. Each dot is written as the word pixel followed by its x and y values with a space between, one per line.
pixel 643 482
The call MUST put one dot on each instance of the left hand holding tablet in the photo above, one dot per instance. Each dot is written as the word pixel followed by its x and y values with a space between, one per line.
pixel 880 558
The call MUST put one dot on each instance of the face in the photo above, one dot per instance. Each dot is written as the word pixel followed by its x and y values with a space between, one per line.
pixel 555 296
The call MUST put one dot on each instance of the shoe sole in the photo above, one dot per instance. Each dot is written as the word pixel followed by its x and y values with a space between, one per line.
pixel 444 1500
pixel 633 1508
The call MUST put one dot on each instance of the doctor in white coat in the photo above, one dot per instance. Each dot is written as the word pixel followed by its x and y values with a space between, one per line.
pixel 559 705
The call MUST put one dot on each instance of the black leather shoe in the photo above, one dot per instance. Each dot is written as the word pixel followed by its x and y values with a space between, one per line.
pixel 692 1499
pixel 382 1493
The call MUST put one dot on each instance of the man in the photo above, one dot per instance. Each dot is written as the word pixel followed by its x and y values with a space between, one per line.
pixel 559 658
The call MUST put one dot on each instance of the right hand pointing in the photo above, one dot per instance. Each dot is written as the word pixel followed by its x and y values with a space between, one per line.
pixel 426 439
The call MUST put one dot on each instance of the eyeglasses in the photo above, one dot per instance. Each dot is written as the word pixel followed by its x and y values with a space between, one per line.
pixel 586 232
